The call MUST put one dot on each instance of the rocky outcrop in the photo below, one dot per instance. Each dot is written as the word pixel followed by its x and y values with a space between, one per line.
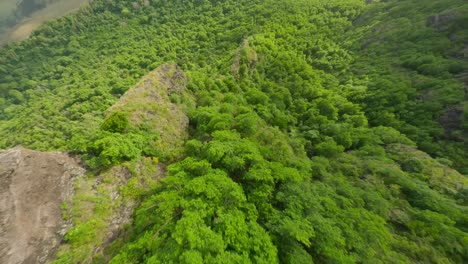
pixel 150 104
pixel 33 185
pixel 244 55
pixel 38 190
pixel 442 22
pixel 452 120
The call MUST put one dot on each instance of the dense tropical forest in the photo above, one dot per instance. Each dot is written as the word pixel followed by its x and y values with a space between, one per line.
pixel 319 131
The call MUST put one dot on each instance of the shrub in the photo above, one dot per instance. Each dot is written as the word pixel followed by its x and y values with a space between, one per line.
pixel 116 122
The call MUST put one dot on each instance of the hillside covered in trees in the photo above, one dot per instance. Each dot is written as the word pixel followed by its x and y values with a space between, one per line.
pixel 317 131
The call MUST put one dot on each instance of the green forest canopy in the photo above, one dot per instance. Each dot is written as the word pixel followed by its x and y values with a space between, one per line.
pixel 322 131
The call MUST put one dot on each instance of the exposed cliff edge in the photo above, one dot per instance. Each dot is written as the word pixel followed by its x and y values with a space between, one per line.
pixel 33 185
pixel 104 201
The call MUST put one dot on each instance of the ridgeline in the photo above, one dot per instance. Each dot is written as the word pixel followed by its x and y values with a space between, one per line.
pixel 292 131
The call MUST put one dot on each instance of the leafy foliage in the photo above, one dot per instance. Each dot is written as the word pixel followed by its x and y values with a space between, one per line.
pixel 116 122
pixel 305 133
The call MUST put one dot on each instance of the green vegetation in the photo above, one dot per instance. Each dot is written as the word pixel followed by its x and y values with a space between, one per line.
pixel 307 125
pixel 99 200
pixel 415 58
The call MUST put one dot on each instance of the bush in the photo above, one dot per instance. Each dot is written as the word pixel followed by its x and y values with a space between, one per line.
pixel 411 165
pixel 112 148
pixel 116 123
pixel 328 148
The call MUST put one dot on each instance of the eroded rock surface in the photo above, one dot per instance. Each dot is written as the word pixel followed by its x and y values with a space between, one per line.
pixel 33 185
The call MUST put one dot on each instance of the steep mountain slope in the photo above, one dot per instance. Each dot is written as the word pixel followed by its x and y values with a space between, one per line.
pixel 306 124
pixel 143 122
pixel 415 55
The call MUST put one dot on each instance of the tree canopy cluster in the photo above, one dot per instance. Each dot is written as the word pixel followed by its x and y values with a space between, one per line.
pixel 322 131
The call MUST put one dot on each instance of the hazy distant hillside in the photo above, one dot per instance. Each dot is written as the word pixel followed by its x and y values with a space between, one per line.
pixel 19 18
pixel 6 8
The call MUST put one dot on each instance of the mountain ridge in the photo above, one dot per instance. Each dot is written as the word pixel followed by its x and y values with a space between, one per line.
pixel 306 125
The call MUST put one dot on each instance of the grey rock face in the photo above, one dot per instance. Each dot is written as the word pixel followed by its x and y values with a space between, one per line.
pixel 33 185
